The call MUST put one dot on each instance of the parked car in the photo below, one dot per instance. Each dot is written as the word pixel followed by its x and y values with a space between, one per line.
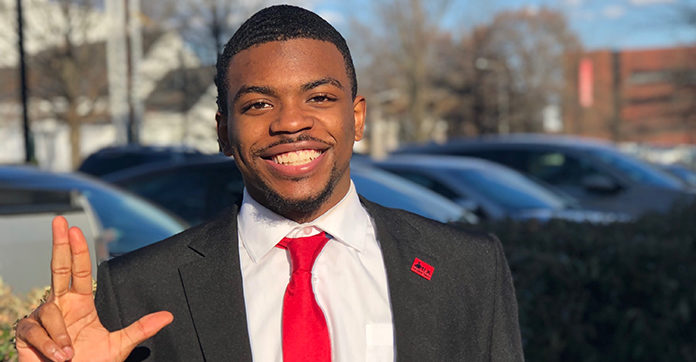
pixel 686 174
pixel 491 190
pixel 595 173
pixel 388 190
pixel 116 158
pixel 128 221
pixel 25 241
pixel 198 189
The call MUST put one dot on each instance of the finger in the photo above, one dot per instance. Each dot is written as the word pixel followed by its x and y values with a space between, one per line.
pixel 31 335
pixel 143 328
pixel 81 265
pixel 51 318
pixel 60 260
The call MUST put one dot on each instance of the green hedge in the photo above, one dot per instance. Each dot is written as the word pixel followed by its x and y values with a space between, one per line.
pixel 622 292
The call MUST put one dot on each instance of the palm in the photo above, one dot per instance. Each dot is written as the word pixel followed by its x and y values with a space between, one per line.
pixel 89 336
pixel 71 286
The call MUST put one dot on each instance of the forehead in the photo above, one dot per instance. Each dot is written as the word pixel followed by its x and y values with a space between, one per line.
pixel 286 63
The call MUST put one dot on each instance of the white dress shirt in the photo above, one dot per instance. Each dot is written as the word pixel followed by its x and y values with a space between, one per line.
pixel 349 280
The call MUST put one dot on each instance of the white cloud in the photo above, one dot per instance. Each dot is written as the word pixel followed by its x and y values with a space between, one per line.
pixel 586 15
pixel 613 11
pixel 650 2
pixel 333 17
pixel 575 3
pixel 531 9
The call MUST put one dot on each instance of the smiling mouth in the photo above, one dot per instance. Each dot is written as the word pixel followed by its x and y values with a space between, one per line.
pixel 296 158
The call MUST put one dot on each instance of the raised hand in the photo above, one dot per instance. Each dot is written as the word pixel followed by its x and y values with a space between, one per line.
pixel 67 325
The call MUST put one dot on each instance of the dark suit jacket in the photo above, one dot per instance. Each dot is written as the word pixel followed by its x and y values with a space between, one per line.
pixel 466 312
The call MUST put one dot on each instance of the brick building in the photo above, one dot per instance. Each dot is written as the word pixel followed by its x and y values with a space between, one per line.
pixel 632 95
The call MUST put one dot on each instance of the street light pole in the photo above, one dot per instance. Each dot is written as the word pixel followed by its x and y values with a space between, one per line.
pixel 503 102
pixel 24 94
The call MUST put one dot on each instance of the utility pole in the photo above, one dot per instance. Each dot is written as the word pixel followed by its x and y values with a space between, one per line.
pixel 123 57
pixel 24 94
pixel 503 96
pixel 134 55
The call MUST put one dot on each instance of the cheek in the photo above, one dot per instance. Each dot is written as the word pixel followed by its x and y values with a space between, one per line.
pixel 242 136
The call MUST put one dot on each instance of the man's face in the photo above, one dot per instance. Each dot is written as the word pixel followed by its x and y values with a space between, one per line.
pixel 290 125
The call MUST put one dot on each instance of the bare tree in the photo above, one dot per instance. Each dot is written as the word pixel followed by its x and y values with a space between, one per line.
pixel 206 24
pixel 527 50
pixel 397 57
pixel 66 63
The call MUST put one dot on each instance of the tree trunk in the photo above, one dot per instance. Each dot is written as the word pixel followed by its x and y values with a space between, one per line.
pixel 75 144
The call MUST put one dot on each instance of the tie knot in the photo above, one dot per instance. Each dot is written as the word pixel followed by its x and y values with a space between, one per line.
pixel 304 251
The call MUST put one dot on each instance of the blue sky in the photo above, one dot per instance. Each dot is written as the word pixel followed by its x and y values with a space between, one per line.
pixel 601 24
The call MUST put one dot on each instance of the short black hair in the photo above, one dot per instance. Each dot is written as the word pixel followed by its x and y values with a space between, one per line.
pixel 277 23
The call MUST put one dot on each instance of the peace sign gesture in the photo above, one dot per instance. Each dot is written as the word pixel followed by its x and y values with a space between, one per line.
pixel 67 325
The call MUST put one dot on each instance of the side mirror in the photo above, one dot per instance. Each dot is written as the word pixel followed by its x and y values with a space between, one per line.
pixel 600 184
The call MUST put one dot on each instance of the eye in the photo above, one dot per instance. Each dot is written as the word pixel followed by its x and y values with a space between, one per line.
pixel 256 106
pixel 321 98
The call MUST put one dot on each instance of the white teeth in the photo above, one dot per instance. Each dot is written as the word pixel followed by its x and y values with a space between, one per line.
pixel 296 158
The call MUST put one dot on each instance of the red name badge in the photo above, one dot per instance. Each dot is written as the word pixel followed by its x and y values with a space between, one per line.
pixel 422 268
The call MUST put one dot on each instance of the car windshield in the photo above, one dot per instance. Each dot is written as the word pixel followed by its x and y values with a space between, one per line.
pixel 508 189
pixel 635 169
pixel 392 191
pixel 130 222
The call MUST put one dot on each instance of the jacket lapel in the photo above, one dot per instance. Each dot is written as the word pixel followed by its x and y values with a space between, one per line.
pixel 213 287
pixel 411 296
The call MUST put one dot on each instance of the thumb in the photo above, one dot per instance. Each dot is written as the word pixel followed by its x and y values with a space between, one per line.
pixel 142 329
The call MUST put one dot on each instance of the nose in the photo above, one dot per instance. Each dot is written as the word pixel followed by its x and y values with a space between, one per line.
pixel 291 119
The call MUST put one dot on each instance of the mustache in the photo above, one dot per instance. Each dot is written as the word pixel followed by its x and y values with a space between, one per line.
pixel 285 140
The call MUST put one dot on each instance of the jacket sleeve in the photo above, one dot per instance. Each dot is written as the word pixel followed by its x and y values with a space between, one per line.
pixel 105 300
pixel 506 344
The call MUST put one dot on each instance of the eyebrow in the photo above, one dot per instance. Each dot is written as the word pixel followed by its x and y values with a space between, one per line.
pixel 246 89
pixel 326 80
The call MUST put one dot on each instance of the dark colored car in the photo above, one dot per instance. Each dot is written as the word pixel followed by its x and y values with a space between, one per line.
pixel 116 158
pixel 198 190
pixel 130 221
pixel 492 190
pixel 686 174
pixel 595 173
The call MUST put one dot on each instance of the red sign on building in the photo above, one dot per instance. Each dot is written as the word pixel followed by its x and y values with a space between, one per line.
pixel 586 83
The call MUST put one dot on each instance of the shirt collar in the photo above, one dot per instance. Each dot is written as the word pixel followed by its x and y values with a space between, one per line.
pixel 260 229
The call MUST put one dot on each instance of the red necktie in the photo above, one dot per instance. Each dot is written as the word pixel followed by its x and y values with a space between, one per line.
pixel 305 334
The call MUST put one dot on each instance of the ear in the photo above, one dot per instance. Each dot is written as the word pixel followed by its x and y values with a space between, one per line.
pixel 223 134
pixel 359 112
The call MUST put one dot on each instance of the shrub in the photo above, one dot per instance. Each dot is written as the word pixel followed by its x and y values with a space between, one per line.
pixel 621 292
pixel 12 308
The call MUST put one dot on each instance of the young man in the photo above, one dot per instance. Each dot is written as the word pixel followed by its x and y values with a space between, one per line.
pixel 350 280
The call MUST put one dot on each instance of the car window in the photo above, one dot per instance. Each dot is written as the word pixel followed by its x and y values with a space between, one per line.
pixel 635 169
pixel 181 191
pixel 508 189
pixel 510 158
pixel 103 164
pixel 558 168
pixel 553 167
pixel 393 191
pixel 132 223
pixel 196 194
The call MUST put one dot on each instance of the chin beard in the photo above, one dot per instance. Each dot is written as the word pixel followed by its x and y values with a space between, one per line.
pixel 298 209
